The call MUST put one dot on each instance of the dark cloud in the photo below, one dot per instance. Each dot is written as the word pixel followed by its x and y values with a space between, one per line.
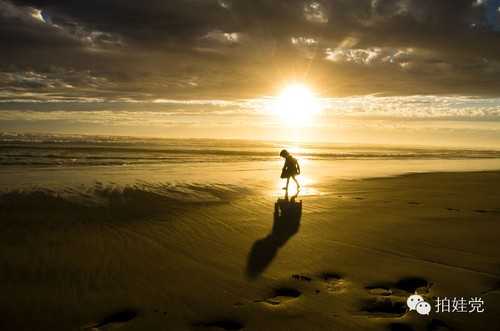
pixel 241 48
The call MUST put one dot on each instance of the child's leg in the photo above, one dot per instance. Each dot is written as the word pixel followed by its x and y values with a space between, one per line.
pixel 296 181
pixel 287 181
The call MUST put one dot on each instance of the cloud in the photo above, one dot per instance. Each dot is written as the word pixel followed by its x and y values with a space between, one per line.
pixel 231 49
pixel 418 107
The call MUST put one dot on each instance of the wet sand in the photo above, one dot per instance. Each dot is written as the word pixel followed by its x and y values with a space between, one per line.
pixel 343 260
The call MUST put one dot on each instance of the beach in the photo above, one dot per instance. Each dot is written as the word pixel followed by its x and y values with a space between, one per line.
pixel 270 165
pixel 210 242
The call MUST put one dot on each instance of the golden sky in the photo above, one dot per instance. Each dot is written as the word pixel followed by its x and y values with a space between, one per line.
pixel 380 71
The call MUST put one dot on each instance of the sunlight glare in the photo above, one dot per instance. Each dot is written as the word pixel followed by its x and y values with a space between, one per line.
pixel 296 105
pixel 307 187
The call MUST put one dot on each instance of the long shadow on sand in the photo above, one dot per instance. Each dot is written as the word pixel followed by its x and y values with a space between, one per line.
pixel 287 214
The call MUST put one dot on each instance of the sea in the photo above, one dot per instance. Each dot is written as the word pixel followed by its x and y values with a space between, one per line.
pixel 82 170
pixel 52 150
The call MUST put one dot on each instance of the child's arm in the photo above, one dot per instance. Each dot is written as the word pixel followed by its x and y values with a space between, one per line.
pixel 298 168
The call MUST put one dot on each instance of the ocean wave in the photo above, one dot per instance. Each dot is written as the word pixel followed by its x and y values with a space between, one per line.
pixel 69 158
pixel 110 202
pixel 60 150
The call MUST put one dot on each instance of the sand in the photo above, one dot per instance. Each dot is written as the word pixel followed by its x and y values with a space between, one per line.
pixel 345 259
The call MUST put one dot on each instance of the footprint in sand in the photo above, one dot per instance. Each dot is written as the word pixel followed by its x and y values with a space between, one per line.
pixel 114 320
pixel 389 299
pixel 404 286
pixel 302 278
pixel 222 324
pixel 384 307
pixel 281 295
pixel 334 282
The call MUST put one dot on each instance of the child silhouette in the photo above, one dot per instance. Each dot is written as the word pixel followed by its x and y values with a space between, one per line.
pixel 291 168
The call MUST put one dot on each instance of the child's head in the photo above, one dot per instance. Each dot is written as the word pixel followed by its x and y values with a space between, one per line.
pixel 284 153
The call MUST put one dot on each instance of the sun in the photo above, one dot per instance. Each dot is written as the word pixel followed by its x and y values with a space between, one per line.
pixel 296 105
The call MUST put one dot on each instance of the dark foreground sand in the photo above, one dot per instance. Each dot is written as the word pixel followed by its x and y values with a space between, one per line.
pixel 346 261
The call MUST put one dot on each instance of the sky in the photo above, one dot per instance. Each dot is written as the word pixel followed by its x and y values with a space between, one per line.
pixel 384 71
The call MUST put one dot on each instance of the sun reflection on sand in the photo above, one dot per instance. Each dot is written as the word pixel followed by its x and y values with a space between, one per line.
pixel 307 187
